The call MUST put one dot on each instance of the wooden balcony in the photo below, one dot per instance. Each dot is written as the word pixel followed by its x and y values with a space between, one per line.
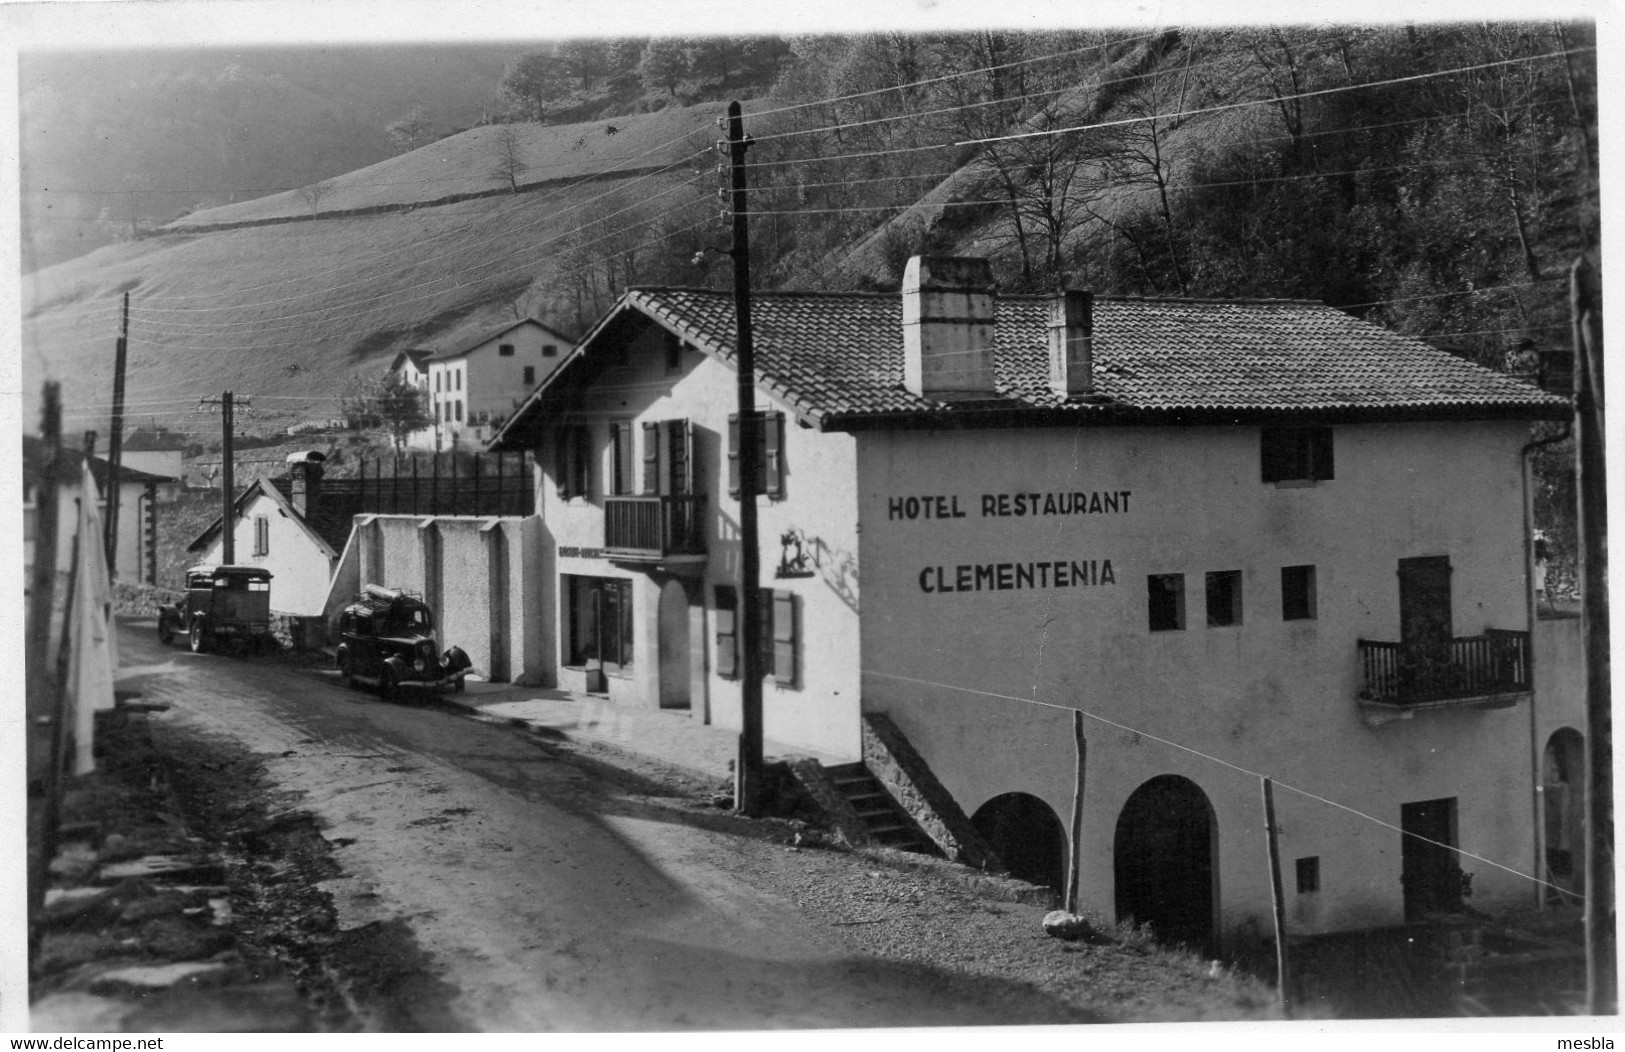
pixel 655 529
pixel 1487 671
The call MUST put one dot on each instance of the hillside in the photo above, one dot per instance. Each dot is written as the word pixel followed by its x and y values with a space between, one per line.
pixel 1439 180
pixel 286 311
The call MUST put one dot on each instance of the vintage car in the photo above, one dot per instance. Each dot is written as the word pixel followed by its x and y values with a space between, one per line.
pixel 222 603
pixel 387 637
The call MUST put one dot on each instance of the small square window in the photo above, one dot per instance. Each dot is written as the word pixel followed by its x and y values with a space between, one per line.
pixel 1297 593
pixel 1308 874
pixel 1165 595
pixel 505 350
pixel 550 350
pixel 1223 598
pixel 1296 454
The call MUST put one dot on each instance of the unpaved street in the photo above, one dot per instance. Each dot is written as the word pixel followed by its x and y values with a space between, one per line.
pixel 546 896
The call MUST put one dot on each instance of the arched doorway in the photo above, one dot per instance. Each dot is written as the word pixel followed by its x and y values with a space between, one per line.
pixel 1563 789
pixel 672 644
pixel 1027 835
pixel 1164 855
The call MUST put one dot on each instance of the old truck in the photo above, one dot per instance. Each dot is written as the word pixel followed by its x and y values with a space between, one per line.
pixel 222 603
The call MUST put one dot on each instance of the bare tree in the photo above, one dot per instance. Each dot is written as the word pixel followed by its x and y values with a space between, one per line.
pixel 509 165
pixel 312 193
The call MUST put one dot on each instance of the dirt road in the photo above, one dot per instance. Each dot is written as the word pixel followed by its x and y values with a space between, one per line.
pixel 545 895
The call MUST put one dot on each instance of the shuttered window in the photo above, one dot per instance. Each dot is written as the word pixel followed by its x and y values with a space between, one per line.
pixel 262 535
pixel 620 440
pixel 1296 454
pixel 573 464
pixel 784 638
pixel 651 457
pixel 769 454
pixel 727 632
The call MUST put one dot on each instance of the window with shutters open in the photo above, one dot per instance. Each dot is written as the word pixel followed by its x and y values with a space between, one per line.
pixel 1295 454
pixel 769 454
pixel 668 458
pixel 779 640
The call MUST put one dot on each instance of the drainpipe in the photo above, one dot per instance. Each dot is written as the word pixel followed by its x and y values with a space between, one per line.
pixel 1537 797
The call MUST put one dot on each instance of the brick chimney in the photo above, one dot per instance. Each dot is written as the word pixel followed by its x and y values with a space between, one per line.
pixel 305 473
pixel 1072 343
pixel 948 328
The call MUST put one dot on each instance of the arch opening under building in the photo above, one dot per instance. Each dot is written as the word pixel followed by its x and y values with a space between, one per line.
pixel 1563 794
pixel 1165 854
pixel 1026 834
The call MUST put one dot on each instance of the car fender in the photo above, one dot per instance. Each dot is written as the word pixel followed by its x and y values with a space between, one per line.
pixel 457 660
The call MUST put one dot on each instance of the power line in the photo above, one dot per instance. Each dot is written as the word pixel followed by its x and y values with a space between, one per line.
pixel 1275 100
pixel 1211 758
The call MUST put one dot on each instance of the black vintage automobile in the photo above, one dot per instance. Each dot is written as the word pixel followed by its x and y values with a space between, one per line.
pixel 221 603
pixel 387 637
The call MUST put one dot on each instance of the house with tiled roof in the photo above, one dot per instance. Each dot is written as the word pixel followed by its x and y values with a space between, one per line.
pixel 292 526
pixel 141 492
pixel 1231 539
pixel 476 371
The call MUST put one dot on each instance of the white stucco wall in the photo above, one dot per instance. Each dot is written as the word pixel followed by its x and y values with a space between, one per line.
pixel 301 572
pixel 819 713
pixel 448 561
pixel 483 380
pixel 969 675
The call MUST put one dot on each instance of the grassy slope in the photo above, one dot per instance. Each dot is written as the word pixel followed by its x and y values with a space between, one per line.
pixel 288 312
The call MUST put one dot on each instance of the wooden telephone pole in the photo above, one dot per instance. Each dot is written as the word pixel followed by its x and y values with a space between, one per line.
pixel 1602 977
pixel 115 441
pixel 748 763
pixel 228 525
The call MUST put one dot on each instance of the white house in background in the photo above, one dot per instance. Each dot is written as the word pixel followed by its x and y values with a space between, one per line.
pixel 140 495
pixel 1243 538
pixel 289 527
pixel 412 368
pixel 477 372
pixel 157 452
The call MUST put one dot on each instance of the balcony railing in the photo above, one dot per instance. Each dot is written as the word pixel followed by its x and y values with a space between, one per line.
pixel 652 528
pixel 1495 663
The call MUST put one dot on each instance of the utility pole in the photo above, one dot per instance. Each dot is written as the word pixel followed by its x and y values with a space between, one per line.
pixel 1602 978
pixel 228 525
pixel 115 445
pixel 748 763
pixel 41 685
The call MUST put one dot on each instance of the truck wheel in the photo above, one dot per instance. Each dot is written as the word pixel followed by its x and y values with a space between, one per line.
pixel 388 686
pixel 199 637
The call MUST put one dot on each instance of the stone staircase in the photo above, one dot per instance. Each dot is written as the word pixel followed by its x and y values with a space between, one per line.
pixel 887 824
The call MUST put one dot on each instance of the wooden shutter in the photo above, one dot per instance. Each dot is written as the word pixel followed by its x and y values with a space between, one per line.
pixel 784 638
pixel 727 632
pixel 680 453
pixel 1272 454
pixel 773 456
pixel 733 455
pixel 651 457
pixel 1320 453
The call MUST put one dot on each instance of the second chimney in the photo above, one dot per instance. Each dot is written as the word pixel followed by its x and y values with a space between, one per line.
pixel 948 328
pixel 305 475
pixel 1072 343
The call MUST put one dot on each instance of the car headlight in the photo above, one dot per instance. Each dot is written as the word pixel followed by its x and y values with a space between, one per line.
pixel 419 665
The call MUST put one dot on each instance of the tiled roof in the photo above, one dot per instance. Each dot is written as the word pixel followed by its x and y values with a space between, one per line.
pixel 838 358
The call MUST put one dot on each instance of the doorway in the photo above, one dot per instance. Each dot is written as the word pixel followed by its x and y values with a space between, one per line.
pixel 672 643
pixel 1026 834
pixel 1563 791
pixel 1429 871
pixel 1164 855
